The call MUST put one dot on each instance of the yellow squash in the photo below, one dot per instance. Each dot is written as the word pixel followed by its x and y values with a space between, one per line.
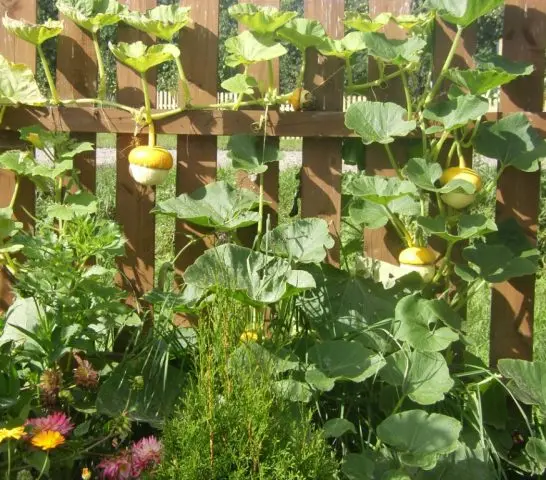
pixel 150 165
pixel 457 198
pixel 420 260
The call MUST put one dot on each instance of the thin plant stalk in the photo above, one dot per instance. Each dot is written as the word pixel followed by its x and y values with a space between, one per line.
pixel 54 94
pixel 148 110
pixel 393 162
pixel 101 90
pixel 46 459
pixel 407 93
pixel 349 70
pixel 185 88
pixel 15 192
pixel 102 103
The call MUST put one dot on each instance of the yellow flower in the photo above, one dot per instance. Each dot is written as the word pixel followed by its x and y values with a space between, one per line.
pixel 35 139
pixel 86 474
pixel 7 433
pixel 249 336
pixel 47 440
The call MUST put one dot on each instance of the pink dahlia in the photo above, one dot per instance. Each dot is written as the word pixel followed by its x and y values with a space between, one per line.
pixel 56 422
pixel 116 468
pixel 146 453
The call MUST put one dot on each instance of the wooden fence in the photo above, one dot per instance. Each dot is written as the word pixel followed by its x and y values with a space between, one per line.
pixel 524 39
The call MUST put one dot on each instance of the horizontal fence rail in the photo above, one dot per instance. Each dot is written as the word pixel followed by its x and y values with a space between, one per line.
pixel 322 131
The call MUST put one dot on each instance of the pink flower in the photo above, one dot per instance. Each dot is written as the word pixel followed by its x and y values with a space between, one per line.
pixel 117 468
pixel 56 422
pixel 146 453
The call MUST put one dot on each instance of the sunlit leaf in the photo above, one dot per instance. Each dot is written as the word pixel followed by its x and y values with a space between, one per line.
pixel 458 112
pixel 527 380
pixel 248 48
pixel 8 226
pixel 140 57
pixel 78 204
pixel 18 85
pixel 397 52
pixel 17 161
pixel 163 21
pixel 217 205
pixel 426 176
pixel 466 227
pixel 345 48
pixel 463 12
pixel 33 33
pixel 302 33
pixel 536 449
pixel 337 427
pixel 240 84
pixel 251 153
pixel 262 20
pixel 92 15
pixel 364 23
pixel 378 122
pixel 380 190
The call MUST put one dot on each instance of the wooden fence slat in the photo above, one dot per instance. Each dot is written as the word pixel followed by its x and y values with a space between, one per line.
pixel 322 161
pixel 518 193
pixel 16 50
pixel 197 155
pixel 77 78
pixel 134 201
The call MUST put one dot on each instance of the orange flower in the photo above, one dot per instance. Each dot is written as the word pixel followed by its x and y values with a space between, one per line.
pixel 6 433
pixel 47 440
pixel 86 474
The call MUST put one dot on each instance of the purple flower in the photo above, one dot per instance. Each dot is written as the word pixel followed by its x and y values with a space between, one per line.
pixel 117 468
pixel 146 453
pixel 56 422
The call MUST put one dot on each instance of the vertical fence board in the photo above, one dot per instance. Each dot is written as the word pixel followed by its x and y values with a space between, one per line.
pixel 77 78
pixel 383 244
pixel 18 51
pixel 197 155
pixel 134 201
pixel 322 161
pixel 271 176
pixel 518 193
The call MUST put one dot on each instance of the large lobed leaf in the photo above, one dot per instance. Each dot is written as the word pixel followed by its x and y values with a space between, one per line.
pixel 217 205
pixel 457 112
pixel 32 33
pixel 380 190
pixel 426 175
pixel 374 215
pixel 251 153
pixel 142 58
pixel 468 226
pixel 163 21
pixel 420 438
pixel 92 15
pixel 248 48
pixel 397 52
pixel 345 48
pixel 262 20
pixel 240 84
pixel 18 85
pixel 527 380
pixel 463 12
pixel 302 33
pixel 250 276
pixel 378 122
pixel 305 241
pixel 364 23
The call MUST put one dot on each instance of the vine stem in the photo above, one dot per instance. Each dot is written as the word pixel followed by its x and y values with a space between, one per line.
pixel 394 164
pixel 376 83
pixel 8 474
pixel 349 70
pixel 15 192
pixel 54 94
pixel 271 74
pixel 407 93
pixel 186 95
pixel 148 109
pixel 102 103
pixel 101 90
pixel 43 467
pixel 437 85
pixel 301 76
pixel 399 227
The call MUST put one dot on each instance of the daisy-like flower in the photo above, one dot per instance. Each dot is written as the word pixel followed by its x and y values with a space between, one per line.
pixel 146 453
pixel 56 422
pixel 16 433
pixel 249 336
pixel 47 440
pixel 117 468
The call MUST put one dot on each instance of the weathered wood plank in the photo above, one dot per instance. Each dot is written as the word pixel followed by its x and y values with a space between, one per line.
pixel 197 155
pixel 518 193
pixel 134 201
pixel 18 51
pixel 322 161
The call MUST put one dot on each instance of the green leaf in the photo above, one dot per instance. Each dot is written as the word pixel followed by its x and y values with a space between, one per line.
pixel 344 360
pixel 345 48
pixel 536 449
pixel 18 85
pixel 319 380
pixel 426 175
pixel 378 122
pixel 38 460
pixel 240 84
pixel 20 162
pixel 513 141
pixel 250 153
pixel 75 205
pixel 419 437
pixel 397 52
pixel 262 20
pixel 491 72
pixel 505 254
pixel 463 12
pixel 217 205
pixel 358 466
pixel 252 277
pixel 248 48
pixel 423 376
pixel 292 390
pixel 373 215
pixel 92 15
pixel 52 172
pixel 337 427
pixel 32 33
pixel 380 190
pixel 527 380
pixel 302 33
pixel 458 112
pixel 354 152
pixel 420 325
pixel 305 241
pixel 467 226
pixel 10 386
pixel 364 23
pixel 22 313
pixel 142 58
pixel 163 21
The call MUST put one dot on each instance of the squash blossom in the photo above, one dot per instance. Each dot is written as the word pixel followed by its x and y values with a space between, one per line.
pixel 16 433
pixel 249 336
pixel 47 440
